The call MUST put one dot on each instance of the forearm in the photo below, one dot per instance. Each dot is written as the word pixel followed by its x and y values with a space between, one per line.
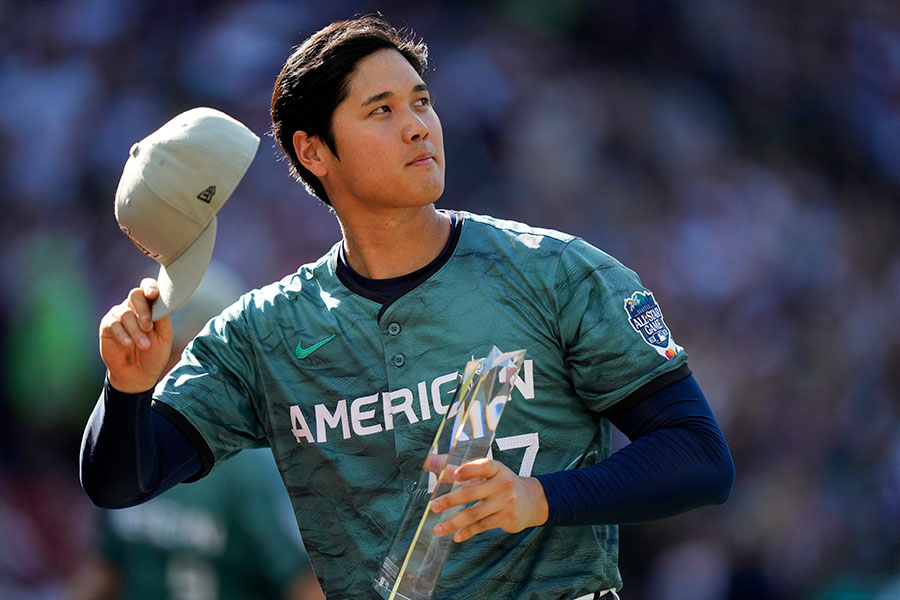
pixel 130 453
pixel 677 460
pixel 662 474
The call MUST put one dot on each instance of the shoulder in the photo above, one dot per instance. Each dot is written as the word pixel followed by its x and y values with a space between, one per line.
pixel 525 242
pixel 309 282
pixel 515 233
pixel 500 241
pixel 300 297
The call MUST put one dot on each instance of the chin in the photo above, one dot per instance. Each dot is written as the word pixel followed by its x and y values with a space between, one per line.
pixel 425 194
pixel 434 189
pixel 432 198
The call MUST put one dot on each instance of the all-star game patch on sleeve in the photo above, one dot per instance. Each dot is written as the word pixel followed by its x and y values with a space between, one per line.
pixel 612 327
pixel 647 319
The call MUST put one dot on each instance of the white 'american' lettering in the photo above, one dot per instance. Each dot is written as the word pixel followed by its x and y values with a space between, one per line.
pixel 360 418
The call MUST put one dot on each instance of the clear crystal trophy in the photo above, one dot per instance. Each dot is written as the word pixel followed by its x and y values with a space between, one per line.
pixel 414 563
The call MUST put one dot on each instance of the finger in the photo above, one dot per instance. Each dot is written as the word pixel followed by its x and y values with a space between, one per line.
pixel 492 522
pixel 440 468
pixel 130 323
pixel 461 495
pixel 469 516
pixel 116 331
pixel 435 462
pixel 140 304
pixel 482 468
pixel 478 479
pixel 447 474
pixel 111 324
pixel 150 287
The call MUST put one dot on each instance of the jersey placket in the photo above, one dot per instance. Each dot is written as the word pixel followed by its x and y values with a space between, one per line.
pixel 407 402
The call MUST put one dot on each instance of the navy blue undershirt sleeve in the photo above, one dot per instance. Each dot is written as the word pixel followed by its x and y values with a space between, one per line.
pixel 677 460
pixel 130 452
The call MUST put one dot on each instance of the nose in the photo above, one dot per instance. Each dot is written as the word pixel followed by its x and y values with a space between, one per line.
pixel 416 129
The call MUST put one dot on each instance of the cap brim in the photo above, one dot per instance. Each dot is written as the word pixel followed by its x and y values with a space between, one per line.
pixel 180 278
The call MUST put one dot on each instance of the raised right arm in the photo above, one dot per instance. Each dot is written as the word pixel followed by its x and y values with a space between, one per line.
pixel 130 452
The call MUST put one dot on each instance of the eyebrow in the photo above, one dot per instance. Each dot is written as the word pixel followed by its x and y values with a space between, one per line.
pixel 383 95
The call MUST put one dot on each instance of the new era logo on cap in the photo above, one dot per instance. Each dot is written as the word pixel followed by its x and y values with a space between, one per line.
pixel 207 194
pixel 157 199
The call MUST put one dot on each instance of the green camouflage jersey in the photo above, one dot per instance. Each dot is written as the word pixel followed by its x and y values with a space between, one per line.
pixel 349 392
pixel 229 536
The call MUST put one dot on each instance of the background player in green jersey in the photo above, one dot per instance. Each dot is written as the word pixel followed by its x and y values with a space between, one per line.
pixel 345 367
pixel 226 537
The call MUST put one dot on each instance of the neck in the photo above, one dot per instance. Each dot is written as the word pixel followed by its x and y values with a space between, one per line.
pixel 392 243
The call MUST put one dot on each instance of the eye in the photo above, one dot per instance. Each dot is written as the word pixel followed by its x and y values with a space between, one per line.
pixel 424 101
pixel 381 110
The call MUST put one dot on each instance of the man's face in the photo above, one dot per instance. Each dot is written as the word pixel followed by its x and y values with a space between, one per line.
pixel 388 138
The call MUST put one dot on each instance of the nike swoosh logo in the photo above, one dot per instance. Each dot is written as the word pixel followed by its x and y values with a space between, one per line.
pixel 304 352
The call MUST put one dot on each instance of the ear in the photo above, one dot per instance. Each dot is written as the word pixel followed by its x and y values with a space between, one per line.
pixel 311 151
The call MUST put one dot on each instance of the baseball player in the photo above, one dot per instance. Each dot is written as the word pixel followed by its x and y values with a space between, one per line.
pixel 346 367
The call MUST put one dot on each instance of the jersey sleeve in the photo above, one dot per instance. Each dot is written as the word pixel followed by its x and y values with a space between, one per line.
pixel 612 329
pixel 214 386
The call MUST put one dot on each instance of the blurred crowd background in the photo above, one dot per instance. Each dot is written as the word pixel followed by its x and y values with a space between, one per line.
pixel 743 156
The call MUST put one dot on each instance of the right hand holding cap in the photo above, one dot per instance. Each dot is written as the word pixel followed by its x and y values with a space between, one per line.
pixel 134 348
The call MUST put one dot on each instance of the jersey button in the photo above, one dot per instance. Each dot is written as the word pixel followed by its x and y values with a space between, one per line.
pixel 394 328
pixel 399 360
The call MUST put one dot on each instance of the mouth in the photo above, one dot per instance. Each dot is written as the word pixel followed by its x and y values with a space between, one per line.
pixel 421 159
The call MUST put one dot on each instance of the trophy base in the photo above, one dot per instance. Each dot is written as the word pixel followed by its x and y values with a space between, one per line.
pixel 427 571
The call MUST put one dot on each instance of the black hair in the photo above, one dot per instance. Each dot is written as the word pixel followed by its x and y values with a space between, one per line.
pixel 315 79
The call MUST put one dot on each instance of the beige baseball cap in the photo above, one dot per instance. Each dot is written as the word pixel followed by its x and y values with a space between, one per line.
pixel 174 182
